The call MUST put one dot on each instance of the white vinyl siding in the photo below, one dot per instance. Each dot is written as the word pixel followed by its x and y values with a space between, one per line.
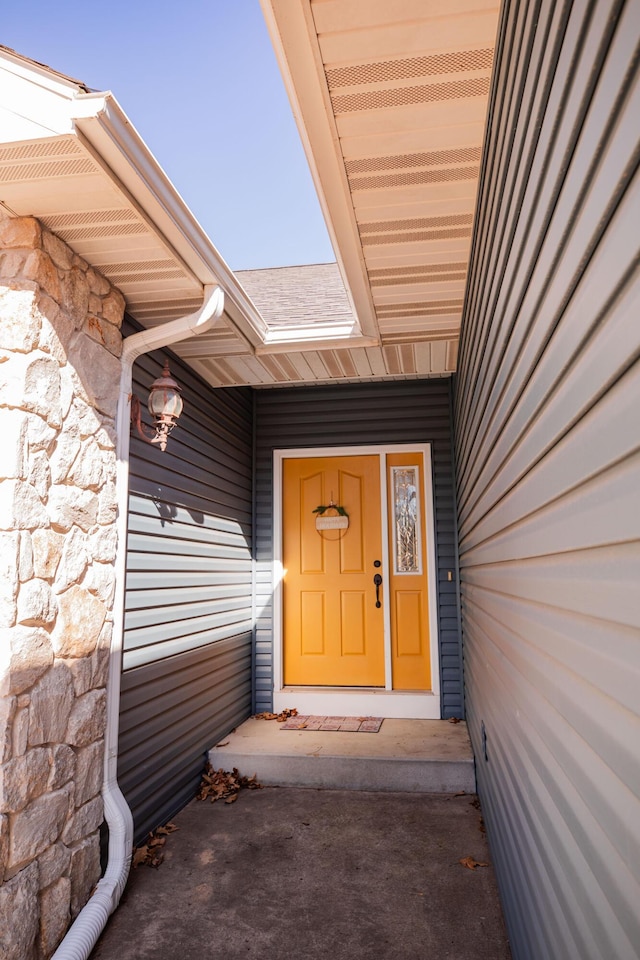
pixel 547 426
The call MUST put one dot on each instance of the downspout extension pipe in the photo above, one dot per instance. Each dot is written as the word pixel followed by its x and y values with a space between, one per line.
pixel 90 922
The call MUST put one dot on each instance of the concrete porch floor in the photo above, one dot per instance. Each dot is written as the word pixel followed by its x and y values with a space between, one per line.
pixel 415 756
pixel 297 874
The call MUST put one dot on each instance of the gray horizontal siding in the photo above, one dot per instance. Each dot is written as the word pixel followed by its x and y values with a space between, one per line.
pixel 547 425
pixel 415 411
pixel 171 712
pixel 189 616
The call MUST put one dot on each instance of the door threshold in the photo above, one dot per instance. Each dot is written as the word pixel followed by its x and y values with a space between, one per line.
pixel 358 702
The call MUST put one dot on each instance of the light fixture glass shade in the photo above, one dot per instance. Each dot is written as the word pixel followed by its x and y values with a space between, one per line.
pixel 165 402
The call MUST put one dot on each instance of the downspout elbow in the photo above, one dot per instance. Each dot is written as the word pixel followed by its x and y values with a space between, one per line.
pixel 192 325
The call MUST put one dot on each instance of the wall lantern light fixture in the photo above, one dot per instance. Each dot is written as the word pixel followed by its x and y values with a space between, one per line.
pixel 165 406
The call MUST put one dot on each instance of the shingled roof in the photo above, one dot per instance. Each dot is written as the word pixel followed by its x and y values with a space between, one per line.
pixel 309 294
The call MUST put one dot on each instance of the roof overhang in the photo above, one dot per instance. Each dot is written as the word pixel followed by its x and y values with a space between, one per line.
pixel 72 158
pixel 390 101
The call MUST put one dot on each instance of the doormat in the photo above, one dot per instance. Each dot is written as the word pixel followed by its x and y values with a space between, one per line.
pixel 342 724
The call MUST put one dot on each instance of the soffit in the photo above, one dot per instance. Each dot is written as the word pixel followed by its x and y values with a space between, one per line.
pixel 390 100
pixel 311 296
pixel 394 361
pixel 60 182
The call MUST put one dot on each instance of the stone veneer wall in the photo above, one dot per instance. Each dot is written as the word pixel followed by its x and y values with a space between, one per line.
pixel 59 375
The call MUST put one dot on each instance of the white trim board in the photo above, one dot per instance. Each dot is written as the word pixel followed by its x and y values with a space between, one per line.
pixel 358 701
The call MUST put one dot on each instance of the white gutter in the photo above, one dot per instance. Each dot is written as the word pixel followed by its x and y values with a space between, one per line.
pixel 116 145
pixel 90 922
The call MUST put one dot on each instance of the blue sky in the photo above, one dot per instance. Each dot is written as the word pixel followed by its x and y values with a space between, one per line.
pixel 200 83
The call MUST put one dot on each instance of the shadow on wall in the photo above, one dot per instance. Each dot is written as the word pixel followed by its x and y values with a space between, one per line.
pixel 168 511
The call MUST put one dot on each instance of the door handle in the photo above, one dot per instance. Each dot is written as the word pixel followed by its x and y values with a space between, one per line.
pixel 377 580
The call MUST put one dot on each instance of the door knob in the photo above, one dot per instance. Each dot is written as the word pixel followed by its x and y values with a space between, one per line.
pixel 377 580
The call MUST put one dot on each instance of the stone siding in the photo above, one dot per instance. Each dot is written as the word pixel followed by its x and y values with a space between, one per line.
pixel 60 343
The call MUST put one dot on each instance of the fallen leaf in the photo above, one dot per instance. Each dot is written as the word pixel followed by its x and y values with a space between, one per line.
pixel 166 830
pixel 150 853
pixel 280 717
pixel 225 744
pixel 454 720
pixel 471 863
pixel 285 714
pixel 224 785
pixel 139 855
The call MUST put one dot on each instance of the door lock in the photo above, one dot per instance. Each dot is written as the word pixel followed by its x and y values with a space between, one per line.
pixel 377 580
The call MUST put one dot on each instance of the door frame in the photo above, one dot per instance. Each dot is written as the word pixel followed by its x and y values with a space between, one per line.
pixel 359 701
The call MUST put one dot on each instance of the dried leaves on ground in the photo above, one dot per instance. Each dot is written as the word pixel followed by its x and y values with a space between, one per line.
pixel 280 717
pixel 151 853
pixel 471 863
pixel 223 785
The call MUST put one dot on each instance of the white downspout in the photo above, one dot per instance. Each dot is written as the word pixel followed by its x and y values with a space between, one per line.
pixel 90 922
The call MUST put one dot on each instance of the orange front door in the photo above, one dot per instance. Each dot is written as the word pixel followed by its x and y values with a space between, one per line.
pixel 333 631
pixel 334 634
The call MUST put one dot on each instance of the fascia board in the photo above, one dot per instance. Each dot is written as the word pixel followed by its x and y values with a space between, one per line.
pixel 293 36
pixel 38 74
pixel 349 342
pixel 116 144
pixel 34 104
pixel 312 331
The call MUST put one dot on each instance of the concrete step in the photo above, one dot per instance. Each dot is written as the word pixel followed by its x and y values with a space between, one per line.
pixel 412 756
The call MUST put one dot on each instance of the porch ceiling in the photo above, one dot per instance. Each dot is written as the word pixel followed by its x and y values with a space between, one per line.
pixel 390 100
